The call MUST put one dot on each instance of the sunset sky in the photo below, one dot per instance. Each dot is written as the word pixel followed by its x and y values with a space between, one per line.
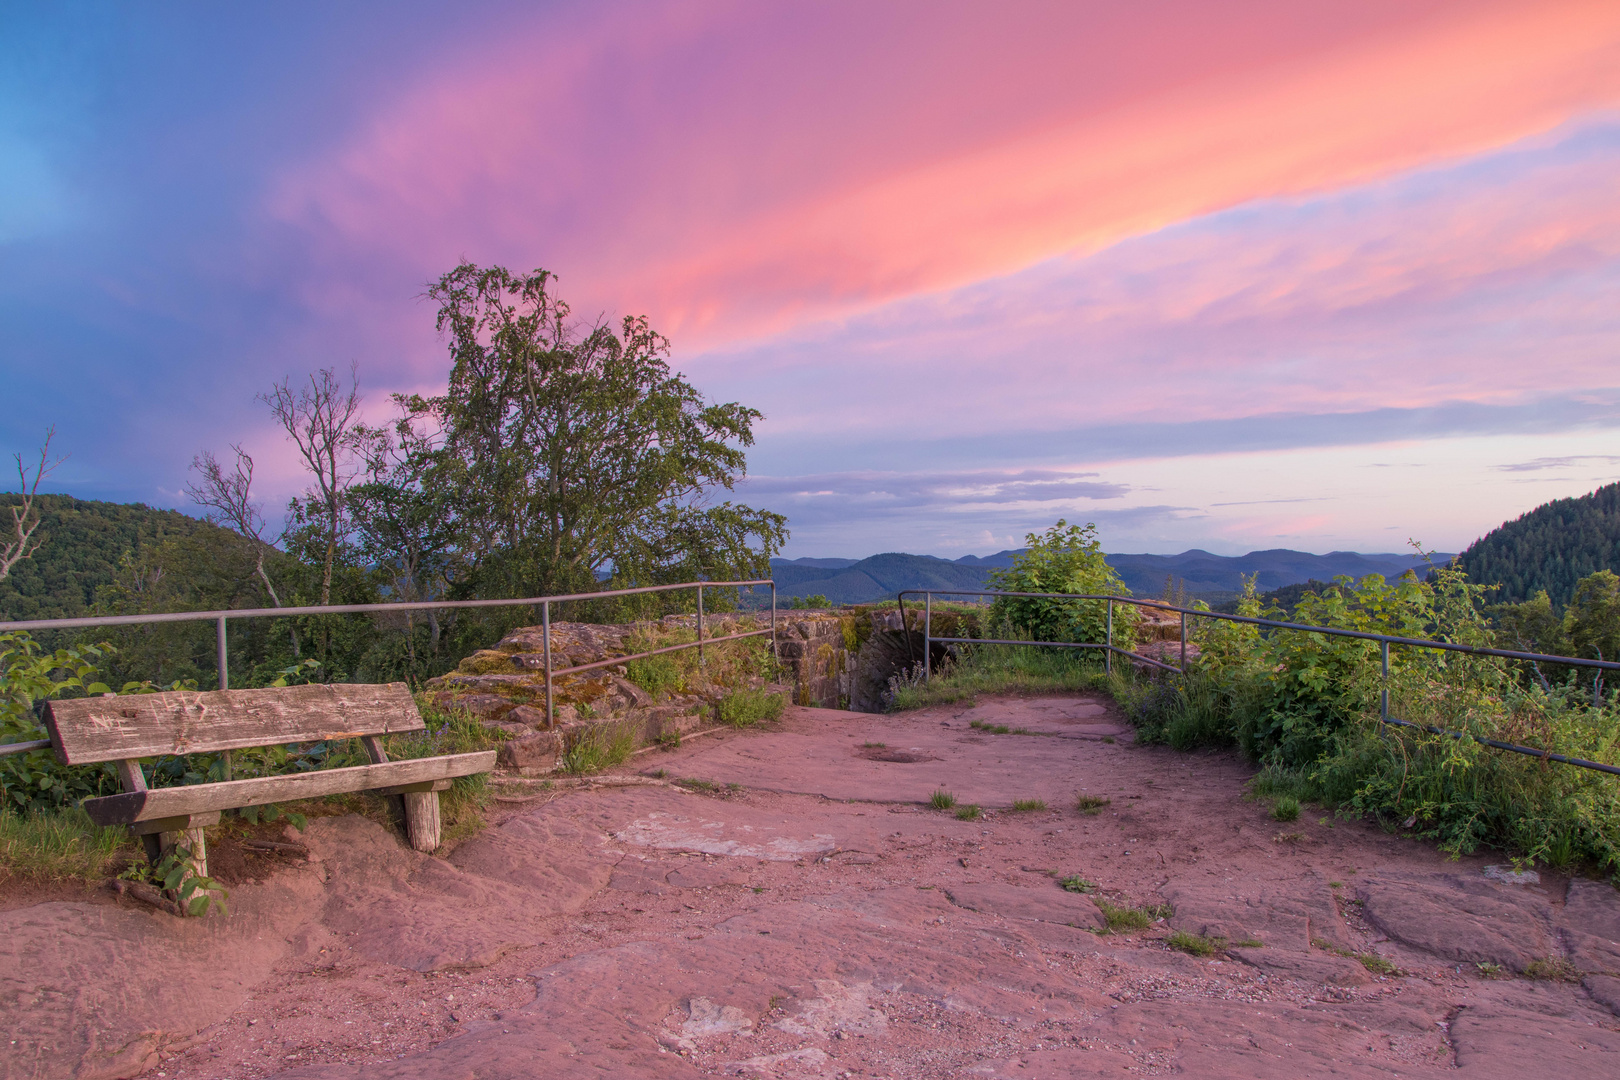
pixel 1234 275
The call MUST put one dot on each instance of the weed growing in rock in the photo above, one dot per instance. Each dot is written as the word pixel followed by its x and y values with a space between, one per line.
pixel 669 740
pixel 696 784
pixel 1024 806
pixel 970 812
pixel 1249 943
pixel 1091 804
pixel 1551 969
pixel 1076 883
pixel 743 708
pixel 942 800
pixel 874 745
pixel 1120 918
pixel 1376 964
pixel 1195 944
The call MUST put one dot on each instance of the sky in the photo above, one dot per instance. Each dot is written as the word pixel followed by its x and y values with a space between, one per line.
pixel 1314 275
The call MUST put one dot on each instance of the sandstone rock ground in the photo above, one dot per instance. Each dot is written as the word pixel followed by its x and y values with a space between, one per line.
pixel 795 909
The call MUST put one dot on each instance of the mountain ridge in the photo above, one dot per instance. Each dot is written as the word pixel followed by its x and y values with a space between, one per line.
pixel 1200 573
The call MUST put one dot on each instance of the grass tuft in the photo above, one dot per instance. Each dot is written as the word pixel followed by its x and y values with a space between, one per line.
pixel 1092 804
pixel 1119 918
pixel 1076 883
pixel 1001 669
pixel 744 708
pixel 601 746
pixel 970 812
pixel 62 845
pixel 1286 809
pixel 1195 944
pixel 1024 806
pixel 1551 969
pixel 942 800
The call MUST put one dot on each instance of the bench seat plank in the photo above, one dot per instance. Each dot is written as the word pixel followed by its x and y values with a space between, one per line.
pixel 136 806
pixel 128 726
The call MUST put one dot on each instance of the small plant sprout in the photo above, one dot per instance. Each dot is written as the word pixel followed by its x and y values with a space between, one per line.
pixel 942 800
pixel 874 745
pixel 970 812
pixel 1024 806
pixel 1091 804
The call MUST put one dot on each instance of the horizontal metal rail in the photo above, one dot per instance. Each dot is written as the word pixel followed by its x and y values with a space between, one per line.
pixel 1385 641
pixel 220 619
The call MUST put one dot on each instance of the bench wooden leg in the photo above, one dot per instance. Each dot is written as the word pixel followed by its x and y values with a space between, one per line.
pixel 422 819
pixel 195 841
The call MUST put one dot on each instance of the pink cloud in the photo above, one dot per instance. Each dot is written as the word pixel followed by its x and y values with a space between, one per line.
pixel 736 170
pixel 1489 281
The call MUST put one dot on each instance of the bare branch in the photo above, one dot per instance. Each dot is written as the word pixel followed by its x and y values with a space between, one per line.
pixel 321 421
pixel 25 515
pixel 229 495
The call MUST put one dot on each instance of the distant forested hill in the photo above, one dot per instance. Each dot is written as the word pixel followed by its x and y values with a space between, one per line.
pixel 1200 574
pixel 83 544
pixel 1552 547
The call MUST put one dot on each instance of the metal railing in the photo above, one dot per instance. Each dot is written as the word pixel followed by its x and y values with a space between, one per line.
pixel 1384 642
pixel 220 619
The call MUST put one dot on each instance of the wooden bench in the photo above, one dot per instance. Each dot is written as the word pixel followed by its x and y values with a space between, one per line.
pixel 126 728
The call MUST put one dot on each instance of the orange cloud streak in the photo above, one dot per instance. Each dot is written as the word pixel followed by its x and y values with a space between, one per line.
pixel 717 243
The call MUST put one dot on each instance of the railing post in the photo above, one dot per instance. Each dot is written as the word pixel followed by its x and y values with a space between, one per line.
pixel 1108 640
pixel 224 660
pixel 775 652
pixel 1383 650
pixel 700 625
pixel 928 635
pixel 1184 644
pixel 545 629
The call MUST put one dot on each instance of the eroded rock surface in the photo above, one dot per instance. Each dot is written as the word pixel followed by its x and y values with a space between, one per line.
pixel 819 919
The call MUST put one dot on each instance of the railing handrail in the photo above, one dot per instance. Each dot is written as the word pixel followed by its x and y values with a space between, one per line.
pixel 347 609
pixel 1333 631
pixel 221 618
pixel 1384 640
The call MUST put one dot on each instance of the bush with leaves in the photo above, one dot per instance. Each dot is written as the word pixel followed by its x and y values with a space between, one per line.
pixel 1065 559
pixel 28 676
pixel 1307 707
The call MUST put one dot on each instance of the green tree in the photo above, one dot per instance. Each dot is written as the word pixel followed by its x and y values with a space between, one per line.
pixel 569 450
pixel 1068 559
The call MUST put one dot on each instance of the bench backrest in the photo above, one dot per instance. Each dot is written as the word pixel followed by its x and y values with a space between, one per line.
pixel 127 726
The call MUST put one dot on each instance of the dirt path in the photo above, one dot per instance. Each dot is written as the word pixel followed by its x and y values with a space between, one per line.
pixel 818 920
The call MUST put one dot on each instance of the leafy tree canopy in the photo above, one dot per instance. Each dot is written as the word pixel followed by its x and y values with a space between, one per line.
pixel 563 450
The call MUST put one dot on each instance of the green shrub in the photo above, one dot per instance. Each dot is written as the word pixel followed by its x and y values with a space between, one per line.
pixel 1306 707
pixel 1286 809
pixel 1066 559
